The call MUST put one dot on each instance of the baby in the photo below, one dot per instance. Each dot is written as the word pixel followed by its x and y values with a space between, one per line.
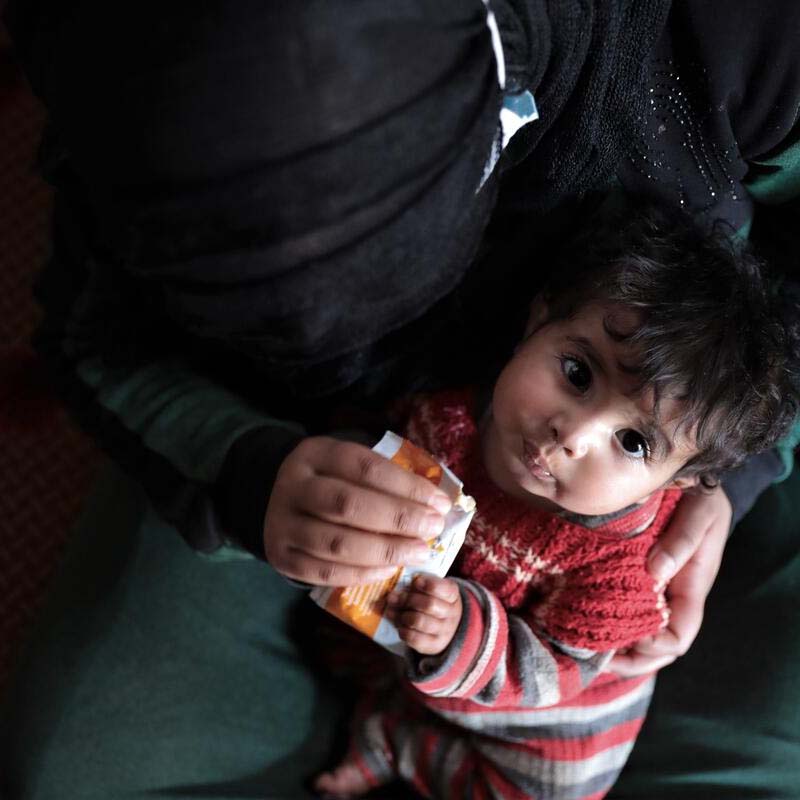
pixel 655 360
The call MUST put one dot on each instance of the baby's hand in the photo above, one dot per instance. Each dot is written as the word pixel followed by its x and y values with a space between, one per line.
pixel 427 614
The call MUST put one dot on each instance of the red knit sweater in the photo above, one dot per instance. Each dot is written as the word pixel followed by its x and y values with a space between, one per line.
pixel 586 587
pixel 529 709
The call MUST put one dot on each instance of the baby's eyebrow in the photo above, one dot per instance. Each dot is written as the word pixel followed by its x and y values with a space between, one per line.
pixel 662 444
pixel 596 359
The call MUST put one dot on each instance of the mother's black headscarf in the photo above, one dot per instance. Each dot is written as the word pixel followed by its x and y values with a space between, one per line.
pixel 289 189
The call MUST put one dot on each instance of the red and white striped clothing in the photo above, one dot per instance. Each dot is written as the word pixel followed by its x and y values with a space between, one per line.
pixel 518 705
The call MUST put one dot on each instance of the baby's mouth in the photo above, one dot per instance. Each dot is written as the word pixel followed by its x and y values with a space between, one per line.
pixel 535 462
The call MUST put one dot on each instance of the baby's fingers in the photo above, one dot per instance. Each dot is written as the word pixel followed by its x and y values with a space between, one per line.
pixel 424 643
pixel 421 632
pixel 444 589
pixel 406 620
pixel 433 605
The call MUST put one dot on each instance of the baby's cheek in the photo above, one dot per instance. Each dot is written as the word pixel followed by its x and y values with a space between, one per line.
pixel 522 389
pixel 626 486
pixel 595 490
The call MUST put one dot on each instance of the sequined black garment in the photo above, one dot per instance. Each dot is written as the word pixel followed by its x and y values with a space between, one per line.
pixel 723 91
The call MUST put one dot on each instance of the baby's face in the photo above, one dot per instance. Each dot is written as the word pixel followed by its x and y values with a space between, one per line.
pixel 566 429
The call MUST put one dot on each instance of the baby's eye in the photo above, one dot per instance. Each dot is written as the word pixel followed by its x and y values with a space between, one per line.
pixel 633 443
pixel 576 372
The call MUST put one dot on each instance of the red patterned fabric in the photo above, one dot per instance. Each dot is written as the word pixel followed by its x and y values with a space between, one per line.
pixel 519 703
pixel 587 587
pixel 45 463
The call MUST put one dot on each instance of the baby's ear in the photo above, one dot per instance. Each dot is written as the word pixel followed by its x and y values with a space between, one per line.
pixel 684 483
pixel 537 316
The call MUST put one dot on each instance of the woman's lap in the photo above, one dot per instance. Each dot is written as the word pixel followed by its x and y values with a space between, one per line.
pixel 157 672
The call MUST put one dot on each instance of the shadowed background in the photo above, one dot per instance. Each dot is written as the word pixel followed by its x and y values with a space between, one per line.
pixel 45 463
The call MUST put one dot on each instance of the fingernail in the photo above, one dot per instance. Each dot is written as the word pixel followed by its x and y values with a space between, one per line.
pixel 393 598
pixel 433 524
pixel 441 502
pixel 661 565
pixel 420 582
pixel 419 555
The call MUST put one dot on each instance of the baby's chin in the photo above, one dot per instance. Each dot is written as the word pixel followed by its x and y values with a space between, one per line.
pixel 529 491
pixel 566 502
pixel 589 509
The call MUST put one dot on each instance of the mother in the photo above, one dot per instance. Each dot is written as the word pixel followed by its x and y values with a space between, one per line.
pixel 269 213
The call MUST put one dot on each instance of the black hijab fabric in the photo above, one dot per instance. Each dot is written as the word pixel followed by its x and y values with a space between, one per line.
pixel 283 183
pixel 591 97
pixel 289 191
pixel 723 92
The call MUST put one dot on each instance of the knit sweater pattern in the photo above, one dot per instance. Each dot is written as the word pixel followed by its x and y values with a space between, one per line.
pixel 519 705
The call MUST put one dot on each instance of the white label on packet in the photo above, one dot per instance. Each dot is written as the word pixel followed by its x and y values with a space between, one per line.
pixel 363 606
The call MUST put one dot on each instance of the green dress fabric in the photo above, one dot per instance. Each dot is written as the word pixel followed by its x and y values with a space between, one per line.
pixel 156 672
pixel 776 179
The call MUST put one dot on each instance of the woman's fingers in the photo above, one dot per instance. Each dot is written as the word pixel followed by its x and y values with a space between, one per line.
pixel 335 500
pixel 697 517
pixel 358 465
pixel 632 663
pixel 685 619
pixel 686 595
pixel 342 545
pixel 302 567
pixel 694 542
pixel 338 512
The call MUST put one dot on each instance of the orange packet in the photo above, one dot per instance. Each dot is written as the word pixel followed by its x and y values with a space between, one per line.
pixel 363 606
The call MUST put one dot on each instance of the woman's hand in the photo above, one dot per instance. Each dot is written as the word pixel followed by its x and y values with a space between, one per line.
pixel 687 558
pixel 341 515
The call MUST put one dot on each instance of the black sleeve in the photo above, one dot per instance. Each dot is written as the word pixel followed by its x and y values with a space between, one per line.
pixel 744 485
pixel 205 456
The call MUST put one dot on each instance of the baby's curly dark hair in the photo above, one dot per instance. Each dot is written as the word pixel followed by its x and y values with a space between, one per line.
pixel 715 332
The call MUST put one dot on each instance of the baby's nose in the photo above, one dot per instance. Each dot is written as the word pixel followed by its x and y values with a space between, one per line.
pixel 581 433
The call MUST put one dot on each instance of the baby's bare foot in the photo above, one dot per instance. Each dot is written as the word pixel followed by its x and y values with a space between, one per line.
pixel 345 781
